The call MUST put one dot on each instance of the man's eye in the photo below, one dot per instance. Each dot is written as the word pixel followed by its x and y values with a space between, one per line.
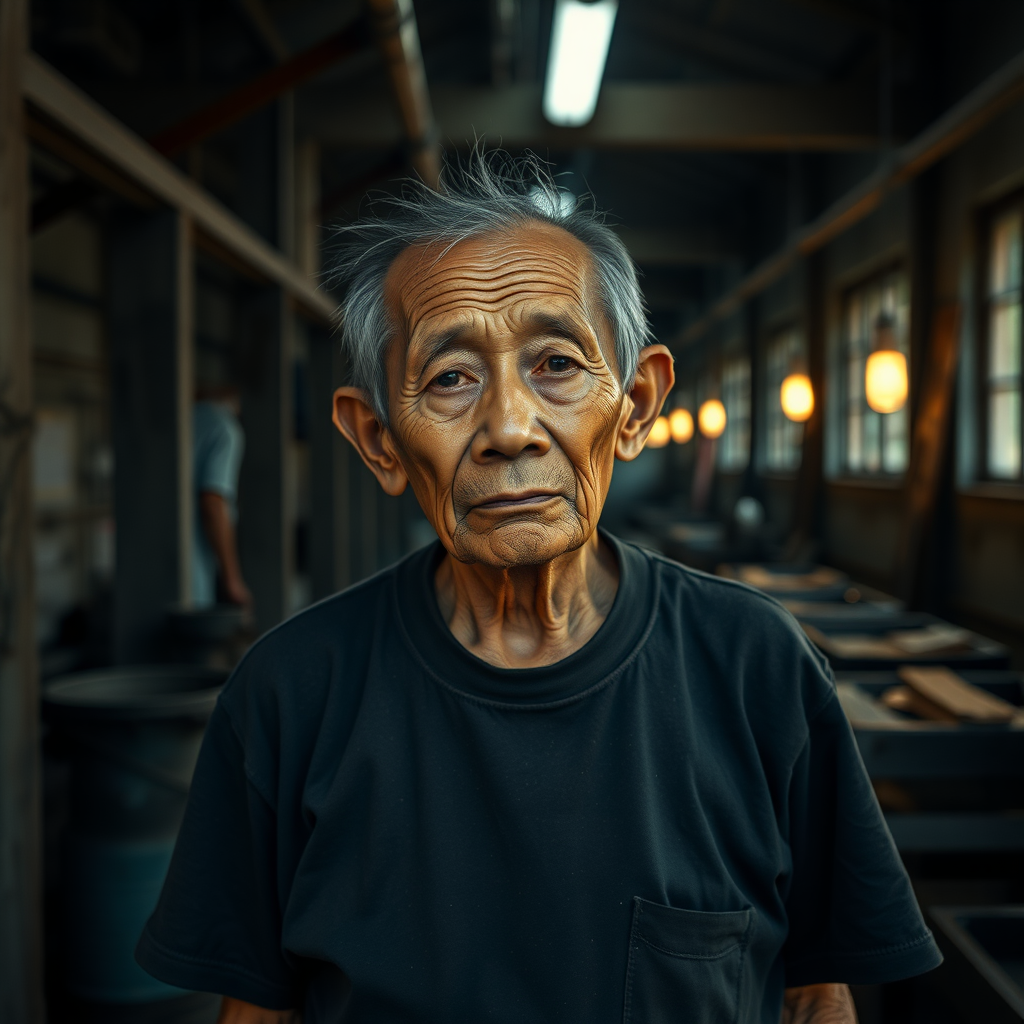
pixel 560 364
pixel 450 379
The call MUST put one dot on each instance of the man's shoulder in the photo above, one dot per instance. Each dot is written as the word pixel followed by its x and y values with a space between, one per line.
pixel 750 643
pixel 719 600
pixel 324 646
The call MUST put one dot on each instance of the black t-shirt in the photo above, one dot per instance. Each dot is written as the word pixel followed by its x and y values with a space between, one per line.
pixel 672 823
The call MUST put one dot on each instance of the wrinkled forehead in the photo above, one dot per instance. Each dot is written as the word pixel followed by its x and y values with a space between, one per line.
pixel 501 272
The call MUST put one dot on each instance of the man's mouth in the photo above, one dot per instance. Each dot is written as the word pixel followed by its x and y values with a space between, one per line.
pixel 525 499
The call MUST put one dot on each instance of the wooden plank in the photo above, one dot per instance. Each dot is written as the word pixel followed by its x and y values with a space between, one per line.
pixel 928 445
pixel 954 695
pixel 631 115
pixel 394 25
pixel 150 323
pixel 93 127
pixel 21 843
pixel 66 196
pixel 681 247
pixel 329 512
pixel 256 94
pixel 265 526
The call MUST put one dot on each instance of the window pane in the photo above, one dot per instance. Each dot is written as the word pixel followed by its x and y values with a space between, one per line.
pixel 1005 256
pixel 854 441
pixel 853 319
pixel 872 441
pixel 895 450
pixel 1004 433
pixel 855 379
pixel 1004 340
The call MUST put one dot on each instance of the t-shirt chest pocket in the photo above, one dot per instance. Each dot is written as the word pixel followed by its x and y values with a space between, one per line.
pixel 685 965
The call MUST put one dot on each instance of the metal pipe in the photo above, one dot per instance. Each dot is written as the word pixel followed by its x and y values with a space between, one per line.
pixel 951 130
pixel 394 24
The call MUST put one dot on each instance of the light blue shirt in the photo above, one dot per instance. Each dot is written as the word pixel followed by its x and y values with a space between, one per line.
pixel 217 448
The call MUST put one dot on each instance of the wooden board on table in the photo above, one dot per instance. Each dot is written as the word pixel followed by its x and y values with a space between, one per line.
pixel 947 691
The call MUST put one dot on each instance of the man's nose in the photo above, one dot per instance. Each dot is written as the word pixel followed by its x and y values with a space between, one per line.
pixel 510 423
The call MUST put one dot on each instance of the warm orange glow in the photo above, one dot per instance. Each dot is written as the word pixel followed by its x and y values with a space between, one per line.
pixel 885 380
pixel 711 418
pixel 680 423
pixel 660 433
pixel 797 397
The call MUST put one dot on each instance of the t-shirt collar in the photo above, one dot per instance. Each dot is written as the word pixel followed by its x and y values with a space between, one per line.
pixel 597 662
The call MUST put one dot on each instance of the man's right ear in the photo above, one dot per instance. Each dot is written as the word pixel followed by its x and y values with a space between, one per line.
pixel 358 422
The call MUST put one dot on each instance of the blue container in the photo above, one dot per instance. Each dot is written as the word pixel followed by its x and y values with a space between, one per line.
pixel 133 735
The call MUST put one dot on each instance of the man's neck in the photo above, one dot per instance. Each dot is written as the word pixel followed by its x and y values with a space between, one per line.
pixel 533 615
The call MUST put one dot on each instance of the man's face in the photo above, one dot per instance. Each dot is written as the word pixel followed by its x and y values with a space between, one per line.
pixel 505 399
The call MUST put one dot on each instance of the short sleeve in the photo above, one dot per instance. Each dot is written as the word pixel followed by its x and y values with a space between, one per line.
pixel 853 916
pixel 221 456
pixel 217 925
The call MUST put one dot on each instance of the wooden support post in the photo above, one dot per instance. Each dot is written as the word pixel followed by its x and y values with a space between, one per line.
pixel 151 326
pixel 330 526
pixel 751 477
pixel 21 846
pixel 265 527
pixel 928 447
pixel 307 206
pixel 807 498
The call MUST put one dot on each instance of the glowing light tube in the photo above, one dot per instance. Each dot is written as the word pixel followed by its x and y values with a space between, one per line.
pixel 580 36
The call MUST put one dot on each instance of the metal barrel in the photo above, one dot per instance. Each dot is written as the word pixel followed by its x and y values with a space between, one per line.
pixel 131 736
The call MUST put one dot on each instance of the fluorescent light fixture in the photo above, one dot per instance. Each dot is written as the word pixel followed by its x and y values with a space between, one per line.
pixel 580 37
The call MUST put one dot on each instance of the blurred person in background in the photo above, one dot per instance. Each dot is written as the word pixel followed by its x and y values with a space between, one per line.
pixel 218 445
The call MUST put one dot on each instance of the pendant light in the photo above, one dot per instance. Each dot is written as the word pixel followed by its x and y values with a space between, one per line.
pixel 885 375
pixel 797 397
pixel 711 418
pixel 680 423
pixel 660 433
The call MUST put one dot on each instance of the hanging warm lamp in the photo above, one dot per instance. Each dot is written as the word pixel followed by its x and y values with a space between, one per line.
pixel 680 425
pixel 797 397
pixel 711 418
pixel 885 375
pixel 660 433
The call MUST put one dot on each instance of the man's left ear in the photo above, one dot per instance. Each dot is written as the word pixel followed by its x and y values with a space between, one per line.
pixel 655 376
pixel 358 422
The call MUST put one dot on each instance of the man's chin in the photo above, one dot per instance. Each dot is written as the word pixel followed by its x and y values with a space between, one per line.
pixel 517 544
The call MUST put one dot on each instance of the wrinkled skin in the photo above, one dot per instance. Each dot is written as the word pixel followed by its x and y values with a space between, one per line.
pixel 508 386
pixel 506 415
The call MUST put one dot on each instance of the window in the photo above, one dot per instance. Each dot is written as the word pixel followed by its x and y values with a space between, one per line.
pixel 734 447
pixel 1002 370
pixel 874 443
pixel 783 436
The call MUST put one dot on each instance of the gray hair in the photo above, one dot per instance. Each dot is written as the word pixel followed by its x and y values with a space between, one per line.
pixel 490 191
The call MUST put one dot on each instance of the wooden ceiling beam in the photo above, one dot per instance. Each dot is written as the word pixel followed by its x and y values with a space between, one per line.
pixel 630 115
pixel 679 247
pixel 86 123
pixel 263 89
pixel 999 91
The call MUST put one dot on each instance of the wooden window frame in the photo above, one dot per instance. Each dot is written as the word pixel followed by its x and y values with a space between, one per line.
pixel 894 269
pixel 728 439
pixel 773 405
pixel 987 221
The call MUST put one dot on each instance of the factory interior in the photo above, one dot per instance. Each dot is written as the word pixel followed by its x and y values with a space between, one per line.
pixel 825 202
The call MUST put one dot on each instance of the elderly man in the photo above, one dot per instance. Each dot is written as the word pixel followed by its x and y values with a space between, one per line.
pixel 531 773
